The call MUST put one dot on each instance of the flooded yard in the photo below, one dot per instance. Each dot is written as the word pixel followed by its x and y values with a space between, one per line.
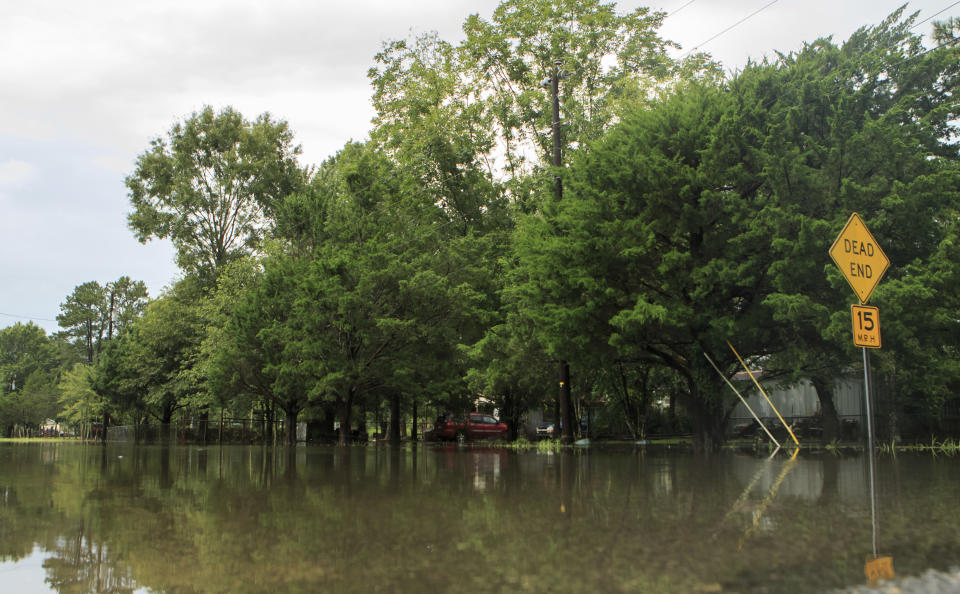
pixel 86 518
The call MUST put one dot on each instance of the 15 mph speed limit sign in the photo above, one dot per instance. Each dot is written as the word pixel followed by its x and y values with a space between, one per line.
pixel 866 326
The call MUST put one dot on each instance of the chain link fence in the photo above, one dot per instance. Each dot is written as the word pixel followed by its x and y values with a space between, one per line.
pixel 227 430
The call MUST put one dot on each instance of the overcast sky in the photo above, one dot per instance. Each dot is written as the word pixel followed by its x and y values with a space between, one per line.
pixel 86 85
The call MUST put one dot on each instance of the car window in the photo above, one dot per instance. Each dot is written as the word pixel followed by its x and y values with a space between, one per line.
pixel 489 420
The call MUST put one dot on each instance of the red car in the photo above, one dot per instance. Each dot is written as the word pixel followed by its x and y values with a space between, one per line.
pixel 473 426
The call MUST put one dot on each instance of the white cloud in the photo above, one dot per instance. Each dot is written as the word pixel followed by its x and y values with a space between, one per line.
pixel 87 85
pixel 15 173
pixel 117 74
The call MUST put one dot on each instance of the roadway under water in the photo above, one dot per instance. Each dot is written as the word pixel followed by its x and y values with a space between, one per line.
pixel 87 518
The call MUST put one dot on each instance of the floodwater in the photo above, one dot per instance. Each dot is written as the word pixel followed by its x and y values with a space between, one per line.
pixel 88 518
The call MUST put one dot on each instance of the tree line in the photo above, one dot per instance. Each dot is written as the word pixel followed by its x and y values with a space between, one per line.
pixel 437 261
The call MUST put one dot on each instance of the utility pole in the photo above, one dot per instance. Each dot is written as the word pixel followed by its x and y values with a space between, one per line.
pixel 565 416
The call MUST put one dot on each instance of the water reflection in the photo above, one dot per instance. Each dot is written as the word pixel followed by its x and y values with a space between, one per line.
pixel 878 567
pixel 250 519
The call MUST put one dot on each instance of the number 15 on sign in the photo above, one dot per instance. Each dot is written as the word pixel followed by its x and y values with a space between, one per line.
pixel 866 326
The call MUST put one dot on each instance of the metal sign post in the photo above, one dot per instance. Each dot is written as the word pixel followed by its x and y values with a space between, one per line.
pixel 861 261
pixel 867 395
pixel 859 257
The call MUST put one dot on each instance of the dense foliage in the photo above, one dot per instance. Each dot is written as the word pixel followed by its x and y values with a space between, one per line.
pixel 436 266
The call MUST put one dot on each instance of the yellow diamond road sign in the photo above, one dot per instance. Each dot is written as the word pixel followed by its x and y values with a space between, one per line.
pixel 859 257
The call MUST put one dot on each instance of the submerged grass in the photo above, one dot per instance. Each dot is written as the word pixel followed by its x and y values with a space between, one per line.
pixel 39 440
pixel 949 447
pixel 549 445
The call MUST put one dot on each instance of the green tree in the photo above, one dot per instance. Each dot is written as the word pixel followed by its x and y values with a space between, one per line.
pixel 605 57
pixel 706 216
pixel 258 352
pixel 147 372
pixel 868 126
pixel 352 307
pixel 227 383
pixel 211 186
pixel 79 402
pixel 461 116
pixel 81 316
pixel 511 368
pixel 430 122
pixel 653 255
pixel 93 313
pixel 433 125
pixel 29 363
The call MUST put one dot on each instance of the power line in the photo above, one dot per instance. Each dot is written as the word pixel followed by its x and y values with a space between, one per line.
pixel 934 14
pixel 932 49
pixel 26 317
pixel 740 22
pixel 679 9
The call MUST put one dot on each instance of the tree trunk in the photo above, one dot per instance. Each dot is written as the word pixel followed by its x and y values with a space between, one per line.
pixel 413 427
pixel 166 414
pixel 106 422
pixel 886 414
pixel 344 405
pixel 828 410
pixel 704 405
pixel 395 419
pixel 672 414
pixel 706 411
pixel 566 404
pixel 510 412
pixel 291 422
pixel 628 415
pixel 203 423
pixel 269 429
pixel 706 421
pixel 362 425
pixel 89 342
pixel 556 418
pixel 645 397
pixel 113 295
pixel 323 429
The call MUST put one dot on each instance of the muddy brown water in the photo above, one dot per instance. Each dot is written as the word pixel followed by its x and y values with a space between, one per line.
pixel 87 518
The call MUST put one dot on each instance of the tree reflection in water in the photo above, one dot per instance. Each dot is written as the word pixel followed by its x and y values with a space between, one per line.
pixel 362 519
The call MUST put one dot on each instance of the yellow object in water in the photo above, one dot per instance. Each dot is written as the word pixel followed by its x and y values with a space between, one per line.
pixel 880 568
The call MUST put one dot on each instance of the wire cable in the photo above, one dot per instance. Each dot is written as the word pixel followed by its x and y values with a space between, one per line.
pixel 740 22
pixel 26 317
pixel 934 14
pixel 679 9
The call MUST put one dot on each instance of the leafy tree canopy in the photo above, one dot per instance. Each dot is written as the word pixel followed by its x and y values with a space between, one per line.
pixel 94 313
pixel 211 185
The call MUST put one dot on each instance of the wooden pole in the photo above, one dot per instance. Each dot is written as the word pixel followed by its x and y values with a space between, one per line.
pixel 744 401
pixel 759 387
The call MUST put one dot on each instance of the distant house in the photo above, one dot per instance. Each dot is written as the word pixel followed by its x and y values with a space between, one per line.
pixel 50 428
pixel 798 400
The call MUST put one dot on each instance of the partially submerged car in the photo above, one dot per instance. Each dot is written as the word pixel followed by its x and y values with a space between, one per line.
pixel 553 431
pixel 545 430
pixel 475 425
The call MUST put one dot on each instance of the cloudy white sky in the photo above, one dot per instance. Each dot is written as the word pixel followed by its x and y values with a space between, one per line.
pixel 85 85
